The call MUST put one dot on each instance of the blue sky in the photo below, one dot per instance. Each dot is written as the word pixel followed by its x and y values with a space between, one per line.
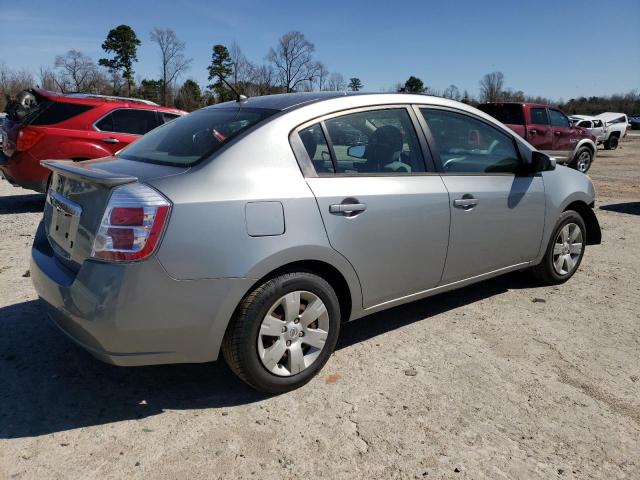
pixel 558 49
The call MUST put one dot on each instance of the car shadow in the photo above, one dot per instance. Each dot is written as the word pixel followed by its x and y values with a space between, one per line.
pixel 31 203
pixel 632 208
pixel 48 384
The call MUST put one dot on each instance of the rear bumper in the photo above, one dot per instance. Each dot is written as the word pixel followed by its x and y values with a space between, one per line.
pixel 23 170
pixel 135 314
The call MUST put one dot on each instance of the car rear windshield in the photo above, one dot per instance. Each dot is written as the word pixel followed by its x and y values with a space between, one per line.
pixel 49 113
pixel 508 114
pixel 194 137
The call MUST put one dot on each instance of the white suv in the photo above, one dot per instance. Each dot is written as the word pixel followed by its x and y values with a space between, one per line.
pixel 615 127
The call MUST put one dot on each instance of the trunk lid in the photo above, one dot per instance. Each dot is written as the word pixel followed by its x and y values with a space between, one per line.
pixel 78 197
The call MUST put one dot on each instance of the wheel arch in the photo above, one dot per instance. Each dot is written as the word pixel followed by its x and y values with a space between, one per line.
pixel 594 234
pixel 323 269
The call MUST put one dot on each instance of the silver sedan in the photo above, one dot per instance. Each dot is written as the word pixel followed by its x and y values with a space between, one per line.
pixel 255 228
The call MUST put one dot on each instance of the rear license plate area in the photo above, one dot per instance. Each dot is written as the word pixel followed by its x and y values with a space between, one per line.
pixel 62 217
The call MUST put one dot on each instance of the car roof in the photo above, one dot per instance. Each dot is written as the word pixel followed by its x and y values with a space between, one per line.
pixel 610 115
pixel 286 101
pixel 96 100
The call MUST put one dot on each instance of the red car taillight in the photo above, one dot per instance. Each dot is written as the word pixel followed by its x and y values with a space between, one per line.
pixel 27 138
pixel 132 224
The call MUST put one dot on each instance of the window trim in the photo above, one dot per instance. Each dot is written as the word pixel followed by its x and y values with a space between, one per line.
pixel 546 111
pixel 95 124
pixel 306 165
pixel 561 113
pixel 436 151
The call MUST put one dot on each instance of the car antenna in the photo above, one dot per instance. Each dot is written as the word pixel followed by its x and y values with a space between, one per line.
pixel 239 98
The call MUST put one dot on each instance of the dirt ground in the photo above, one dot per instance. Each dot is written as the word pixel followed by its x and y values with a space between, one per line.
pixel 504 379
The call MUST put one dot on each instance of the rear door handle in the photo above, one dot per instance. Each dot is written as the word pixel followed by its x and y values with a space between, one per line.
pixel 347 208
pixel 465 203
pixel 110 140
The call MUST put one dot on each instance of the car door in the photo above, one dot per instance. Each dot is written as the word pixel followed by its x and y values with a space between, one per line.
pixel 381 208
pixel 497 214
pixel 123 126
pixel 598 130
pixel 539 130
pixel 563 138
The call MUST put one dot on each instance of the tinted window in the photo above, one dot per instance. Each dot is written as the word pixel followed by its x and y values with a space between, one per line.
pixel 167 117
pixel 468 145
pixel 376 141
pixel 133 121
pixel 56 112
pixel 505 113
pixel 194 137
pixel 316 146
pixel 539 116
pixel 558 119
pixel 584 124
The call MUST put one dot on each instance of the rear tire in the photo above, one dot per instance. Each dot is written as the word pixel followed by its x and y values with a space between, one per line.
pixel 271 344
pixel 565 250
pixel 611 143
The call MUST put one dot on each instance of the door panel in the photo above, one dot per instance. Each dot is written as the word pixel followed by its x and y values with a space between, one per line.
pixel 504 227
pixel 398 243
pixel 539 132
pixel 562 133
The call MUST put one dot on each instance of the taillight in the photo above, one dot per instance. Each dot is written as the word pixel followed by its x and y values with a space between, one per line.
pixel 27 138
pixel 132 224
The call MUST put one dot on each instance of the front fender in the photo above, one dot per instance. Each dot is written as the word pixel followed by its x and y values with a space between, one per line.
pixel 585 142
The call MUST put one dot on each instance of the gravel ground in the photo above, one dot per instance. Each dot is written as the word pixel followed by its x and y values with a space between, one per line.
pixel 504 379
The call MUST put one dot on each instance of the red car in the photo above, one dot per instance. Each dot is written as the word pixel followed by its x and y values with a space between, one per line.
pixel 73 126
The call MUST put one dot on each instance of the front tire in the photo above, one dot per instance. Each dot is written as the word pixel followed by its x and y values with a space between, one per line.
pixel 283 332
pixel 583 160
pixel 611 143
pixel 565 250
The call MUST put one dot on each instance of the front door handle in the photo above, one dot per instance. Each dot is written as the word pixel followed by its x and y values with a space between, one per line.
pixel 347 208
pixel 110 140
pixel 466 203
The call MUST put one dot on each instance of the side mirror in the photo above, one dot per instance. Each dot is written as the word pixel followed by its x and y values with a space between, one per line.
pixel 356 151
pixel 541 162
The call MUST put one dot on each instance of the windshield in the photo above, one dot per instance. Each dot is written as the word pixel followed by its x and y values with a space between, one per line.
pixel 194 137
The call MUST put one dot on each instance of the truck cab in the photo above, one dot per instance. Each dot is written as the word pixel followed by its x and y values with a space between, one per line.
pixel 548 129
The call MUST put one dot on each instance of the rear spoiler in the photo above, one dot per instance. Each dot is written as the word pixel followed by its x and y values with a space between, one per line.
pixel 72 169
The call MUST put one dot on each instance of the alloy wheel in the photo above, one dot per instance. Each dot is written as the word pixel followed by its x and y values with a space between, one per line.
pixel 583 162
pixel 567 249
pixel 293 333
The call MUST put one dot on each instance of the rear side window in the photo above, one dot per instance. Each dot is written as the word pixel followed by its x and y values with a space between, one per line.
pixel 194 137
pixel 375 141
pixel 585 124
pixel 167 117
pixel 132 121
pixel 505 113
pixel 539 116
pixel 468 145
pixel 57 112
pixel 558 119
pixel 316 146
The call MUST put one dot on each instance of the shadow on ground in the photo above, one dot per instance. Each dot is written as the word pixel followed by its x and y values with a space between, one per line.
pixel 22 204
pixel 632 208
pixel 47 384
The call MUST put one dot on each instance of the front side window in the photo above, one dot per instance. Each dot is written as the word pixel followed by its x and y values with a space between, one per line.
pixel 375 141
pixel 558 119
pixel 468 145
pixel 539 116
pixel 134 122
pixel 194 137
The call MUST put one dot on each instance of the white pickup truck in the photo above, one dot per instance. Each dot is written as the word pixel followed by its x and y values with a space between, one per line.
pixel 615 127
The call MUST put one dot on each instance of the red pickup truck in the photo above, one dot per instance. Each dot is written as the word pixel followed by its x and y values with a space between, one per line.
pixel 547 129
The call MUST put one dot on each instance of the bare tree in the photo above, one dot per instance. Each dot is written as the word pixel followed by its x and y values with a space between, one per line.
pixel 174 63
pixel 293 60
pixel 322 75
pixel 76 71
pixel 262 80
pixel 12 82
pixel 243 69
pixel 47 78
pixel 452 92
pixel 336 82
pixel 491 87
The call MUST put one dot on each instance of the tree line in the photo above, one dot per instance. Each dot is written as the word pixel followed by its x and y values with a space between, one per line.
pixel 289 66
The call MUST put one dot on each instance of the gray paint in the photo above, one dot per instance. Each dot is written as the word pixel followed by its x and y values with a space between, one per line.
pixel 250 210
